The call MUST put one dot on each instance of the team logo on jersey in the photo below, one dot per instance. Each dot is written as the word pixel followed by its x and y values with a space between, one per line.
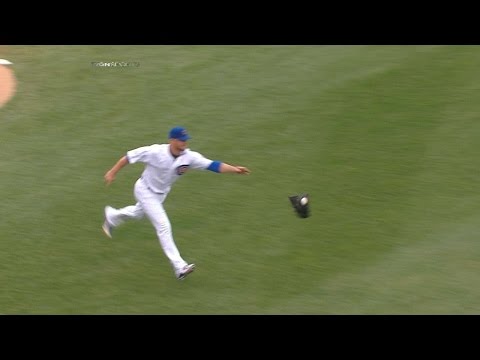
pixel 182 169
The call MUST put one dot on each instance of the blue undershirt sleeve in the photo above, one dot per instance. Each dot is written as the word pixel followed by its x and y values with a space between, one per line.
pixel 215 166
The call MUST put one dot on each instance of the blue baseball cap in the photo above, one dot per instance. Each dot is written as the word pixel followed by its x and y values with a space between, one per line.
pixel 179 133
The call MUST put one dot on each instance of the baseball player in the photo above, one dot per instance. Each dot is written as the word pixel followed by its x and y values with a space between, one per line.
pixel 164 164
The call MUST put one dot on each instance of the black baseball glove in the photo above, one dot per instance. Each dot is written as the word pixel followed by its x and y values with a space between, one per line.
pixel 301 205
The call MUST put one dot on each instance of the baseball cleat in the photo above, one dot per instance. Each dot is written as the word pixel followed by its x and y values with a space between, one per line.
pixel 107 227
pixel 187 269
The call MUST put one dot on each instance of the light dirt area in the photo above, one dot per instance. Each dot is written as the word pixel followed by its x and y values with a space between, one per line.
pixel 7 84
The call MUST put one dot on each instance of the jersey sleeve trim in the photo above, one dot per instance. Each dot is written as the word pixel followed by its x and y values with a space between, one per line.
pixel 215 166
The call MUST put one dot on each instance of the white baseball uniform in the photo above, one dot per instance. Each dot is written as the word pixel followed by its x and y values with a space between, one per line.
pixel 162 169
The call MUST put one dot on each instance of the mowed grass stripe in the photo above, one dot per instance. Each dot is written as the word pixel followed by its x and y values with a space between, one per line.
pixel 360 128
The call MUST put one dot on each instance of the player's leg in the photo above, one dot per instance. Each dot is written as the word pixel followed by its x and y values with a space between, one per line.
pixel 153 209
pixel 118 216
pixel 115 217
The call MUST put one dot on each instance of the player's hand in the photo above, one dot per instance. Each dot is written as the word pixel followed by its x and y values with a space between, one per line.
pixel 242 170
pixel 109 177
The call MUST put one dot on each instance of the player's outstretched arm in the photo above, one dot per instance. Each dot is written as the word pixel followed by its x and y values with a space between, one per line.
pixel 110 174
pixel 226 168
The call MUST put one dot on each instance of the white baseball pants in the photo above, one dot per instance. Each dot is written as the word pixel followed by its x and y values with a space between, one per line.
pixel 151 205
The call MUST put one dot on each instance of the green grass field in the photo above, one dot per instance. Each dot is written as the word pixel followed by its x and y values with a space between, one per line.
pixel 385 139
